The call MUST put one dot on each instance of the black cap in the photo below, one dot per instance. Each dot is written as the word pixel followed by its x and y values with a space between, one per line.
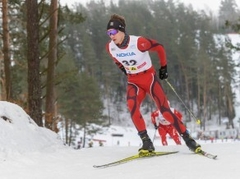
pixel 115 24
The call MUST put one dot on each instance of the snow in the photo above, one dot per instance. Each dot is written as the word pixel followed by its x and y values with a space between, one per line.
pixel 28 151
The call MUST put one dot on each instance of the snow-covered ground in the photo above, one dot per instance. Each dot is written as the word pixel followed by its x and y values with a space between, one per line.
pixel 30 152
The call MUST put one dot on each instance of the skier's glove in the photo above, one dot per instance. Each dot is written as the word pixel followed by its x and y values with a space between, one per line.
pixel 123 70
pixel 163 74
pixel 155 126
pixel 121 67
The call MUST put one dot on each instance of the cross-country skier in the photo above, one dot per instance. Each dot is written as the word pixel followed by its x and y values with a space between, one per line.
pixel 131 55
pixel 164 127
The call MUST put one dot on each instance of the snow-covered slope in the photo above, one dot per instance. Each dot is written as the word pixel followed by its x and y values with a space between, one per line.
pixel 19 133
pixel 30 152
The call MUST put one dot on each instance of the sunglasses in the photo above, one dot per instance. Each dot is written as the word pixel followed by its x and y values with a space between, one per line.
pixel 112 32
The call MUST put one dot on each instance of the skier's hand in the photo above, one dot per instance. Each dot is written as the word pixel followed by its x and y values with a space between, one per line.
pixel 155 126
pixel 123 70
pixel 163 74
pixel 121 67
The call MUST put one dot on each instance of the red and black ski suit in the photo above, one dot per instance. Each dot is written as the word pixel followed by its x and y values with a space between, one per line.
pixel 134 59
pixel 164 127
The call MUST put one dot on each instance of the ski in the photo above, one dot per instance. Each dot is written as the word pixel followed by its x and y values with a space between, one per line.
pixel 134 157
pixel 206 154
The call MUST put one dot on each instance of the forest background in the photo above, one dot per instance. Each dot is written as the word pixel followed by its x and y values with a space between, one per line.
pixel 54 63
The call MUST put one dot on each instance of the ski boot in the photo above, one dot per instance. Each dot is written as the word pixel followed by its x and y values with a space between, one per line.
pixel 147 146
pixel 190 142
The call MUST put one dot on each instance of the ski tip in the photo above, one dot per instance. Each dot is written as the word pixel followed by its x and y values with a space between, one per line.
pixel 97 166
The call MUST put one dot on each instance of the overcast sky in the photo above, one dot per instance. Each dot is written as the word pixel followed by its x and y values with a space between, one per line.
pixel 197 4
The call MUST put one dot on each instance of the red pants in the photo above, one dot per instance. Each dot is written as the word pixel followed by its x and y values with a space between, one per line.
pixel 163 130
pixel 147 83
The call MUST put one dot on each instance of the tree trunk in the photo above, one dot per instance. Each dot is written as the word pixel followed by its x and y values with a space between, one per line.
pixel 67 130
pixel 7 61
pixel 1 78
pixel 52 58
pixel 34 80
pixel 230 108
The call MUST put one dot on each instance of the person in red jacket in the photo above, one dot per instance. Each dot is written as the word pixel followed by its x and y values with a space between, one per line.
pixel 131 54
pixel 164 127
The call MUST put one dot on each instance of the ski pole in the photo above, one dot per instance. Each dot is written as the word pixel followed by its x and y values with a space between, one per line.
pixel 197 120
pixel 154 135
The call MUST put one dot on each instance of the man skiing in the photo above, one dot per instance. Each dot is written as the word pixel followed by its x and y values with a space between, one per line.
pixel 164 127
pixel 131 54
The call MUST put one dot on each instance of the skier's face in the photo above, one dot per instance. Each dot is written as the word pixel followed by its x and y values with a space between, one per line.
pixel 116 35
